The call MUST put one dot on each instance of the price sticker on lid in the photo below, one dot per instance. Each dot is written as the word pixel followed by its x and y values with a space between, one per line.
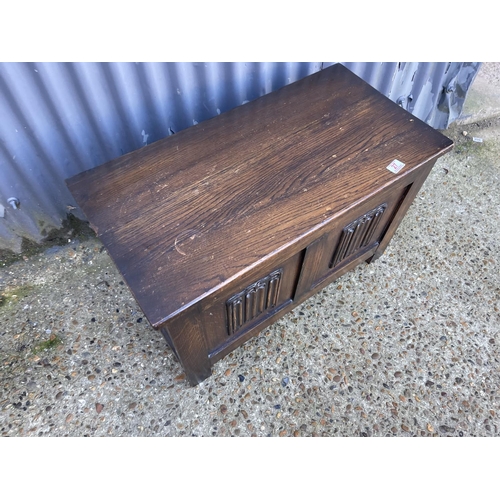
pixel 396 166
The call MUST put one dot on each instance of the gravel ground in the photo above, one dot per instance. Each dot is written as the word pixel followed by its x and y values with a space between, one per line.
pixel 406 346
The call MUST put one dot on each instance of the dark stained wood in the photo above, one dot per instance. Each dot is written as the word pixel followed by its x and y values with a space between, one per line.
pixel 186 336
pixel 214 308
pixel 412 190
pixel 245 177
pixel 390 198
pixel 351 264
pixel 200 220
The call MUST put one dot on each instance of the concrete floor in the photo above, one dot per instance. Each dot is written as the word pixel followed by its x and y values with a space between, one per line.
pixel 406 346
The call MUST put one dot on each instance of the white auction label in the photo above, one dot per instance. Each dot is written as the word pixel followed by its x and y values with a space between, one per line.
pixel 395 166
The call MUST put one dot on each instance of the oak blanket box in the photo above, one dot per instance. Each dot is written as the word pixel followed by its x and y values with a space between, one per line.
pixel 224 227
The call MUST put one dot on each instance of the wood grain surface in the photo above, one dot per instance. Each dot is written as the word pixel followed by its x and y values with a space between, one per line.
pixel 190 213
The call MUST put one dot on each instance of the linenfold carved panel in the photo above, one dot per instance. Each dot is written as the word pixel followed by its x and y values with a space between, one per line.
pixel 357 234
pixel 253 301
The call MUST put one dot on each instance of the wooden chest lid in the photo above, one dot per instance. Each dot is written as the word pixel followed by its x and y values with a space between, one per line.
pixel 189 213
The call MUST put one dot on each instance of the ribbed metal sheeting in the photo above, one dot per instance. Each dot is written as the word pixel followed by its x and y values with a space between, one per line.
pixel 58 119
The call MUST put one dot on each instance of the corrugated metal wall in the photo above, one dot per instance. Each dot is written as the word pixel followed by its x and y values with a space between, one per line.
pixel 58 119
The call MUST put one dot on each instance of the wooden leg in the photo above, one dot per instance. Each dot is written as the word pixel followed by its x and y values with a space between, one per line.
pixel 406 202
pixel 187 339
